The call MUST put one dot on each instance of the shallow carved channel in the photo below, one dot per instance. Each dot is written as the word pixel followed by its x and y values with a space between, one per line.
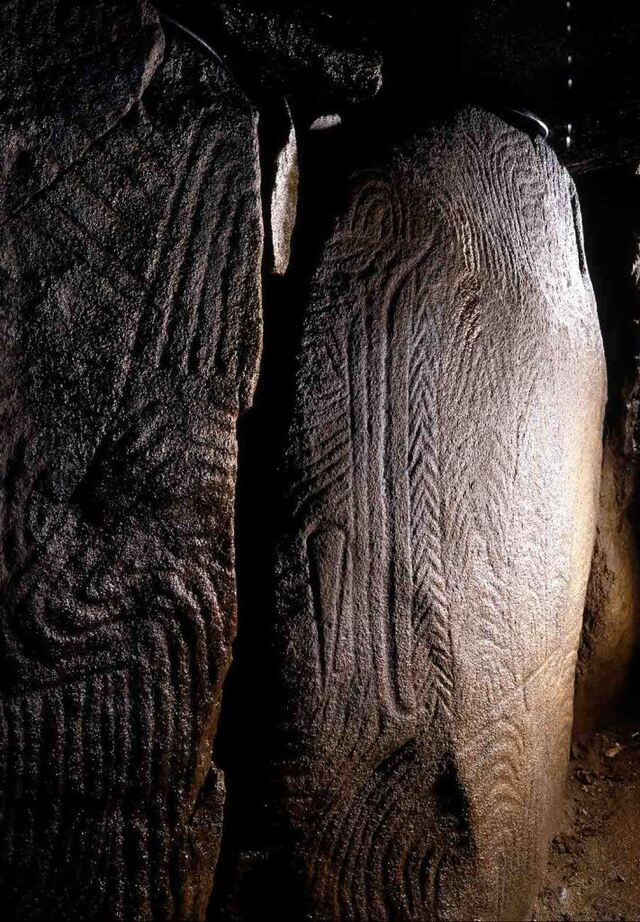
pixel 405 518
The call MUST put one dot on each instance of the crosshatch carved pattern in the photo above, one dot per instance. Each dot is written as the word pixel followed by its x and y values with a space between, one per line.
pixel 433 502
pixel 130 342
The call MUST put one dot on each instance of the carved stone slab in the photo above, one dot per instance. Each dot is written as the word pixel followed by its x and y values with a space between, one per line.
pixel 300 50
pixel 442 479
pixel 68 73
pixel 130 340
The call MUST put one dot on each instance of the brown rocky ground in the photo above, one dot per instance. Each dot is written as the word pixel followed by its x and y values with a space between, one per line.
pixel 594 865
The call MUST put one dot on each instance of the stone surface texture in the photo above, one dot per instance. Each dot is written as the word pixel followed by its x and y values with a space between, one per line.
pixel 130 297
pixel 422 484
pixel 302 50
pixel 442 471
pixel 68 73
pixel 606 683
pixel 611 630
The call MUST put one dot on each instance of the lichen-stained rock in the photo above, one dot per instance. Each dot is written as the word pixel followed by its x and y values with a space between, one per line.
pixel 130 337
pixel 442 467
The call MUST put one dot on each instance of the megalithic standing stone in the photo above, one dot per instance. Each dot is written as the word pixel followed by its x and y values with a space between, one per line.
pixel 442 473
pixel 130 298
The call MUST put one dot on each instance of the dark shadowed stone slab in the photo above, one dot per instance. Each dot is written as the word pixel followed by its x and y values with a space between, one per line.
pixel 442 476
pixel 130 340
pixel 606 672
pixel 572 63
pixel 607 663
pixel 68 72
pixel 299 49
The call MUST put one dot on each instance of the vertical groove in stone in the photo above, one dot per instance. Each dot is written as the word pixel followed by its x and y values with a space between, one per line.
pixel 131 336
pixel 433 540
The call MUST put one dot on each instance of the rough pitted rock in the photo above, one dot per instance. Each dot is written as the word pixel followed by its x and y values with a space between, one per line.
pixel 131 335
pixel 442 476
pixel 299 49
pixel 607 660
pixel 611 631
pixel 68 72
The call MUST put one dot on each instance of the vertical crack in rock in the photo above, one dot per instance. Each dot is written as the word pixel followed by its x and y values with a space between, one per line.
pixel 130 341
pixel 432 537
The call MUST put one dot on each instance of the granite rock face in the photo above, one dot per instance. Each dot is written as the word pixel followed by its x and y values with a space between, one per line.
pixel 442 471
pixel 429 458
pixel 130 281
pixel 611 631
pixel 67 75
pixel 301 50
pixel 605 678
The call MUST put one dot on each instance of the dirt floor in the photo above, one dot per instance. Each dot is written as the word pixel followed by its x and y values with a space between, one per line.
pixel 594 866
